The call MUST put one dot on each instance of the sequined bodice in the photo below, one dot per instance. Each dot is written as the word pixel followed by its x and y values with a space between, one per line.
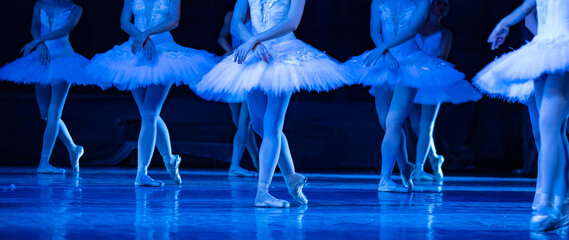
pixel 395 17
pixel 553 19
pixel 431 44
pixel 53 23
pixel 149 13
pixel 265 14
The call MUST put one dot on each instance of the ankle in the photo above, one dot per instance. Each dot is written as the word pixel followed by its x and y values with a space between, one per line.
pixel 263 187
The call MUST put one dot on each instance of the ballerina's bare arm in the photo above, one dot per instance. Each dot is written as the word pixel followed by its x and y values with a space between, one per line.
pixel 126 20
pixel 284 27
pixel 237 27
pixel 531 22
pixel 224 32
pixel 375 33
pixel 500 32
pixel 446 44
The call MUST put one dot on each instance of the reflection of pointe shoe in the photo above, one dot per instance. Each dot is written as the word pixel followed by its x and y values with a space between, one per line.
pixel 264 199
pixel 146 181
pixel 48 169
pixel 407 175
pixel 295 182
pixel 74 157
pixel 437 165
pixel 390 186
pixel 172 167
pixel 421 175
pixel 241 172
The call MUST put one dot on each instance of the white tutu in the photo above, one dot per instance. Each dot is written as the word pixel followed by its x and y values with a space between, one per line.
pixel 63 67
pixel 435 79
pixel 173 64
pixel 293 66
pixel 511 76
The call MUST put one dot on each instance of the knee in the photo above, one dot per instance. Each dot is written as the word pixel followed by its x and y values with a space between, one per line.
pixel 394 122
pixel 257 126
pixel 549 127
pixel 149 115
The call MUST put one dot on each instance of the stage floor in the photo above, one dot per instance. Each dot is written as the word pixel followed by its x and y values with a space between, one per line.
pixel 102 203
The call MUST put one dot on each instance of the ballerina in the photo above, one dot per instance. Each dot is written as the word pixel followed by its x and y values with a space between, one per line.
pixel 244 137
pixel 435 40
pixel 147 65
pixel 400 74
pixel 266 70
pixel 53 67
pixel 540 66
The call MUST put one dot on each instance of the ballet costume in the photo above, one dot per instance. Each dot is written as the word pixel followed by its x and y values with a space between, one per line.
pixel 417 69
pixel 173 64
pixel 65 65
pixel 461 91
pixel 294 65
pixel 511 77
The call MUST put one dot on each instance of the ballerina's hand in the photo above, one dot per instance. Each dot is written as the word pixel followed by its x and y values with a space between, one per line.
pixel 498 36
pixel 262 52
pixel 242 51
pixel 138 42
pixel 374 56
pixel 391 62
pixel 149 49
pixel 29 47
pixel 44 55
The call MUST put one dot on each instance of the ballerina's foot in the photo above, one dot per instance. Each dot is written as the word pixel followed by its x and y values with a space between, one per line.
pixel 295 182
pixel 437 165
pixel 241 172
pixel 146 181
pixel 544 223
pixel 264 199
pixel 48 169
pixel 391 186
pixel 172 167
pixel 74 157
pixel 407 175
pixel 421 175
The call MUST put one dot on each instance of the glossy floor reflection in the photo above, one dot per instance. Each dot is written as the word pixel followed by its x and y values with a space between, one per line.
pixel 102 203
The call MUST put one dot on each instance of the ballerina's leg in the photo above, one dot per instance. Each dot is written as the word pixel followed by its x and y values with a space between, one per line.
pixel 391 149
pixel 154 97
pixel 57 101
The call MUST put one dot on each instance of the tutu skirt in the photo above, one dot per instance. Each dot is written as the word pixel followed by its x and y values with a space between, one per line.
pixel 172 64
pixel 293 66
pixel 436 80
pixel 511 76
pixel 63 67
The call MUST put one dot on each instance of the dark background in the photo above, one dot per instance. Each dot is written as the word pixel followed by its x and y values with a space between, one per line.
pixel 336 131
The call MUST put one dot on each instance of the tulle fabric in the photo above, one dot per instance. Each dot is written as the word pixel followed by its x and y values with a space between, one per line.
pixel 511 76
pixel 64 67
pixel 173 64
pixel 432 77
pixel 294 66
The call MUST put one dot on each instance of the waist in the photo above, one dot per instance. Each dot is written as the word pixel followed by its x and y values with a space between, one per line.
pixel 160 38
pixel 60 44
pixel 284 38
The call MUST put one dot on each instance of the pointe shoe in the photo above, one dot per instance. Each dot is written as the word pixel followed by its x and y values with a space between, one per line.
pixel 240 172
pixel 172 167
pixel 264 199
pixel 421 175
pixel 146 181
pixel 390 186
pixel 407 175
pixel 437 165
pixel 74 157
pixel 295 182
pixel 48 169
pixel 546 213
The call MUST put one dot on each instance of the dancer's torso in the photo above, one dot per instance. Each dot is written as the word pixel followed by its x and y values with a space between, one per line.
pixel 51 23
pixel 266 14
pixel 396 16
pixel 149 13
pixel 431 44
pixel 553 19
